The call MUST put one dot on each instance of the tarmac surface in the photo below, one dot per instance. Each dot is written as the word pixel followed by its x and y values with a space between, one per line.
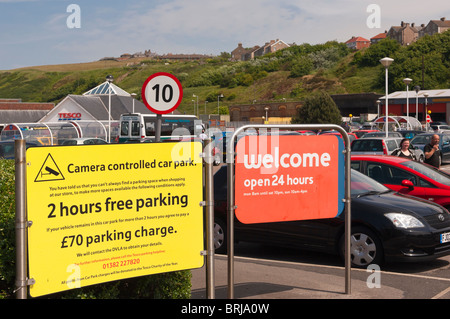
pixel 256 278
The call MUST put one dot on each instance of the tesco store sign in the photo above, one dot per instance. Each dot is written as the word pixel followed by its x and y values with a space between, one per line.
pixel 289 177
pixel 69 116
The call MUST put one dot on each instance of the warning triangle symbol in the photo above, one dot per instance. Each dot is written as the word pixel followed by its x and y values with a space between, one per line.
pixel 49 171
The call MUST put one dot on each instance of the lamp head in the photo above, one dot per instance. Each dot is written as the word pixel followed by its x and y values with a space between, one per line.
pixel 386 62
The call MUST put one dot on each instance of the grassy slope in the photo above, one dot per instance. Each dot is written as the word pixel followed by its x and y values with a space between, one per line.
pixel 51 83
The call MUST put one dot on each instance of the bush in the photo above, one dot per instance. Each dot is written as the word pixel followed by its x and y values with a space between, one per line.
pixel 173 285
pixel 318 109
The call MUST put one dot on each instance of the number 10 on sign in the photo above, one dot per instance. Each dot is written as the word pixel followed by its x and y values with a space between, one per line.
pixel 162 93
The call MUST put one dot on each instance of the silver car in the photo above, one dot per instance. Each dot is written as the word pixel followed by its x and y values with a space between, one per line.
pixel 375 145
pixel 382 146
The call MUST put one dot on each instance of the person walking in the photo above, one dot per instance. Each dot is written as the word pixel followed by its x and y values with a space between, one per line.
pixel 404 151
pixel 432 152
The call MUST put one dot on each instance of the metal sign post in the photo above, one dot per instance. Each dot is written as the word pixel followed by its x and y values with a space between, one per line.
pixel 21 220
pixel 231 195
pixel 209 214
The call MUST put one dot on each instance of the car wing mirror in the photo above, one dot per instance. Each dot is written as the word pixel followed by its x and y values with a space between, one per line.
pixel 408 183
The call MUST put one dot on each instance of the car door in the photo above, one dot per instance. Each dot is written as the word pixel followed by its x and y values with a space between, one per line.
pixel 445 147
pixel 392 177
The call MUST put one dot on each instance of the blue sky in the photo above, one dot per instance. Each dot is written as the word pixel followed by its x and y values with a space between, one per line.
pixel 35 32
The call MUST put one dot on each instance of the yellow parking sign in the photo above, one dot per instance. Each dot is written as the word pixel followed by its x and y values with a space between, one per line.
pixel 107 212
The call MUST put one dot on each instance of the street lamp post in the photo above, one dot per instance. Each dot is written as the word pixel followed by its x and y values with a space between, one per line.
pixel 378 108
pixel 218 97
pixel 205 106
pixel 386 62
pixel 417 89
pixel 133 96
pixel 407 81
pixel 426 110
pixel 267 110
pixel 110 79
pixel 193 95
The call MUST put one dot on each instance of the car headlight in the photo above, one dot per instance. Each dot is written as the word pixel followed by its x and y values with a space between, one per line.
pixel 404 220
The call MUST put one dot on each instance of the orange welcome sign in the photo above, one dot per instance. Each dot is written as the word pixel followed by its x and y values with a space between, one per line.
pixel 289 177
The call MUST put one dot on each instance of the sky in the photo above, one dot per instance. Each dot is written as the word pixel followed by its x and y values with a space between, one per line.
pixel 44 32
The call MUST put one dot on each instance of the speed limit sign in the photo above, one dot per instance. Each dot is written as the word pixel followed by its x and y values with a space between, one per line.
pixel 162 93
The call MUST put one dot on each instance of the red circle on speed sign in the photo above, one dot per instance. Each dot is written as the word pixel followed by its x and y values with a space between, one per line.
pixel 162 93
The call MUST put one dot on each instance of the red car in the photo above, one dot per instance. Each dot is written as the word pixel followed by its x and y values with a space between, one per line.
pixel 406 176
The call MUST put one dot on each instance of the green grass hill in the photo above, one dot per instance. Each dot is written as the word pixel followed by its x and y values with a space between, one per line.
pixel 291 74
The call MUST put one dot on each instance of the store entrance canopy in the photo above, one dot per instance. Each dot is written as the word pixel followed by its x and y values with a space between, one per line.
pixel 400 122
pixel 56 133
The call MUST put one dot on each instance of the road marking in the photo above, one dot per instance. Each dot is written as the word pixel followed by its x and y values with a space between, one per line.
pixel 442 293
pixel 339 267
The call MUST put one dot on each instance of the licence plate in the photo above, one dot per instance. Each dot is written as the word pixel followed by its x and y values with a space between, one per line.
pixel 445 237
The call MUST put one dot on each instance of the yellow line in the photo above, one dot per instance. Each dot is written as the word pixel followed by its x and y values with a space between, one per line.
pixel 442 293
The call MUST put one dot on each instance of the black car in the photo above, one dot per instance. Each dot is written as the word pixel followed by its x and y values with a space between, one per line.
pixel 386 226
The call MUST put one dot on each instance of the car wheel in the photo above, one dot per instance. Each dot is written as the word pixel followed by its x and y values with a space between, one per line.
pixel 365 247
pixel 421 159
pixel 220 236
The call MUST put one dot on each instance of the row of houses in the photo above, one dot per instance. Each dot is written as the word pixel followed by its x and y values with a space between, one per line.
pixel 246 54
pixel 405 33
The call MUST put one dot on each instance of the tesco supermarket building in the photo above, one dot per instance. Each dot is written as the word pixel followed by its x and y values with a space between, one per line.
pixel 434 102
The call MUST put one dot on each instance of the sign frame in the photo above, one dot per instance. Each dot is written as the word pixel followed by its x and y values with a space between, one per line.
pixel 231 195
pixel 169 81
pixel 189 260
pixel 271 175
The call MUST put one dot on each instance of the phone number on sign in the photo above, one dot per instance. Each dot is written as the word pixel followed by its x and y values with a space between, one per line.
pixel 121 263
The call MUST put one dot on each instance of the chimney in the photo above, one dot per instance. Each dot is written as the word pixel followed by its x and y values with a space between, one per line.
pixel 443 19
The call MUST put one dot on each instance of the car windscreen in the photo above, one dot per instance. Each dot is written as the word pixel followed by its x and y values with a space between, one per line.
pixel 421 139
pixel 428 171
pixel 362 184
pixel 363 145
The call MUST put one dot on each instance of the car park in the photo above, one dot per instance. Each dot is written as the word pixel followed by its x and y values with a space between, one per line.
pixel 375 145
pixel 444 144
pixel 351 136
pixel 409 134
pixel 438 128
pixel 382 134
pixel 386 226
pixel 406 176
pixel 83 141
pixel 360 133
pixel 384 146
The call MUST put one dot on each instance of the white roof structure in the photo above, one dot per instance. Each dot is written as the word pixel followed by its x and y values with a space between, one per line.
pixel 104 89
pixel 443 93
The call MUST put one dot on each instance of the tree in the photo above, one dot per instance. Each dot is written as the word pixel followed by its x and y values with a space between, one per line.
pixel 318 109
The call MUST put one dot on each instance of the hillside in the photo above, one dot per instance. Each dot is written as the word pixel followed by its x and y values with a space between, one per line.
pixel 290 74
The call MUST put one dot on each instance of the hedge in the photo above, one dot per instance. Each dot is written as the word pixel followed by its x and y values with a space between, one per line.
pixel 173 285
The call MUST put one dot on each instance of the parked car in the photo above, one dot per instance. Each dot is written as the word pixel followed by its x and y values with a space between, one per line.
pixel 438 128
pixel 409 134
pixel 83 141
pixel 375 145
pixel 386 226
pixel 351 136
pixel 7 148
pixel 360 133
pixel 444 144
pixel 382 134
pixel 406 176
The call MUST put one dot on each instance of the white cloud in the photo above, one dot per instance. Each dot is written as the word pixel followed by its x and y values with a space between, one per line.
pixel 199 26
